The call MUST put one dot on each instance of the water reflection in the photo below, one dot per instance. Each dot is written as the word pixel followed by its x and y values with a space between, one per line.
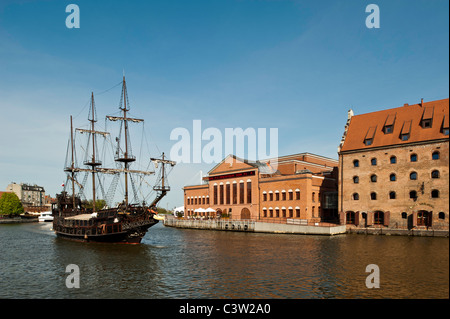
pixel 181 263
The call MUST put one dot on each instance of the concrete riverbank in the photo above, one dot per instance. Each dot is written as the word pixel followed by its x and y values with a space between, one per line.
pixel 254 226
pixel 262 227
pixel 18 220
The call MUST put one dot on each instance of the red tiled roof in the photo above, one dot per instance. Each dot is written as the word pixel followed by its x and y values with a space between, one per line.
pixel 405 120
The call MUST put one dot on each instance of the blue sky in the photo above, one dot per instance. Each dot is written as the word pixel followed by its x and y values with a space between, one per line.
pixel 294 65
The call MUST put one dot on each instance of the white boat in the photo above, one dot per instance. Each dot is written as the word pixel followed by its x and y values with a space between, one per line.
pixel 45 217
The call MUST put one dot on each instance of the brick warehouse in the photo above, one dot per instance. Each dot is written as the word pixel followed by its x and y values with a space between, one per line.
pixel 303 188
pixel 394 168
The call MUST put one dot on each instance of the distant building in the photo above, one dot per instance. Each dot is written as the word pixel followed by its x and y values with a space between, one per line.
pixel 394 168
pixel 29 195
pixel 302 189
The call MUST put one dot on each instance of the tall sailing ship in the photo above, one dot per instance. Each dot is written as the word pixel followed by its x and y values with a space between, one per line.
pixel 126 222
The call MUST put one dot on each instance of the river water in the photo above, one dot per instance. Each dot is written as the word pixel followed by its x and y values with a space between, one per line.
pixel 194 264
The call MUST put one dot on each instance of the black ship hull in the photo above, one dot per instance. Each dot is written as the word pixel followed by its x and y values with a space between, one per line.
pixel 132 236
pixel 126 225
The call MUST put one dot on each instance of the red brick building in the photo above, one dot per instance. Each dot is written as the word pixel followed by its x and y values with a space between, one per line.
pixel 302 188
pixel 394 168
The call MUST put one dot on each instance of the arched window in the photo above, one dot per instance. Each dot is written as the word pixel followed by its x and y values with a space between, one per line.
pixel 413 157
pixel 435 174
pixel 435 155
pixel 392 177
pixel 373 178
pixel 393 160
pixel 392 195
pixel 355 196
pixel 404 215
pixel 413 176
pixel 434 193
pixel 355 179
pixel 356 163
pixel 373 196
pixel 373 161
pixel 441 215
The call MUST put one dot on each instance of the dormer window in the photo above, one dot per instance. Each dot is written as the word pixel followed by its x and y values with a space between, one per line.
pixel 389 124
pixel 368 140
pixel 427 117
pixel 406 130
pixel 445 126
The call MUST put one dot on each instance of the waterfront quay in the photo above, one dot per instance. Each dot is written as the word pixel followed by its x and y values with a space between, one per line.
pixel 290 227
pixel 293 226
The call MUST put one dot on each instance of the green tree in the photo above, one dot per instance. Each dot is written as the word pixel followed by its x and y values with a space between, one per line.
pixel 10 205
pixel 99 204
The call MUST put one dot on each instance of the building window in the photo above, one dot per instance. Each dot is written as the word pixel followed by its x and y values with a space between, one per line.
pixel 283 195
pixel 378 218
pixel 435 174
pixel 445 131
pixel 373 178
pixel 355 196
pixel 270 212
pixel 413 176
pixel 228 189
pixel 373 196
pixel 221 194
pixel 355 179
pixel 249 192
pixel 368 141
pixel 393 160
pixel 235 194
pixel 188 201
pixel 271 196
pixel 215 194
pixel 426 123
pixel 434 193
pixel 241 193
pixel 413 194
pixel 283 212
pixel 264 212
pixel 388 129
pixel 277 195
pixel 391 195
pixel 392 177
pixel 435 155
pixel 314 197
pixel 265 197
pixel 297 212
pixel 404 137
pixel 404 215
pixel 207 200
pixel 350 218
pixel 441 215
pixel 297 195
pixel 277 212
pixel 291 213
pixel 373 161
pixel 355 163
pixel 413 157
pixel 291 195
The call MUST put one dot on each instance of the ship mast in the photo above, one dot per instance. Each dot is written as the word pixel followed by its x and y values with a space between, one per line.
pixel 126 158
pixel 73 164
pixel 93 162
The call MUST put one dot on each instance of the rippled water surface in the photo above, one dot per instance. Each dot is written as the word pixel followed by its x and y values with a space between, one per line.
pixel 180 263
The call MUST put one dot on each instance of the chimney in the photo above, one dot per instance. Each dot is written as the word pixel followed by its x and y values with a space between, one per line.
pixel 421 102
